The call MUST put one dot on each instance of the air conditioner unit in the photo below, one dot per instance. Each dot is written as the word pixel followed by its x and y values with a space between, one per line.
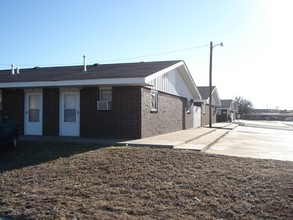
pixel 103 105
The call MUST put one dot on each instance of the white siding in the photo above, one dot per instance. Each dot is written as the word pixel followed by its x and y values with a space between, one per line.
pixel 171 82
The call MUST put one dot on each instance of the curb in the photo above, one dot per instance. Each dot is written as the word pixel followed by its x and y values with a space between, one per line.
pixel 214 141
pixel 193 138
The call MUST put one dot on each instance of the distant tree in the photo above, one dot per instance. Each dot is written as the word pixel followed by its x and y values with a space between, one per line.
pixel 245 106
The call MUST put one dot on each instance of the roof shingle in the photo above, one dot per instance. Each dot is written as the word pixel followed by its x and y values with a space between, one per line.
pixel 205 91
pixel 102 71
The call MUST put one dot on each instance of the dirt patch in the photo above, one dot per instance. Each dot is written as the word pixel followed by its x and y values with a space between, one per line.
pixel 144 183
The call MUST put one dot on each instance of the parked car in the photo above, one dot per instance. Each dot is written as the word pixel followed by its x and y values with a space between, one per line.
pixel 289 119
pixel 272 118
pixel 8 133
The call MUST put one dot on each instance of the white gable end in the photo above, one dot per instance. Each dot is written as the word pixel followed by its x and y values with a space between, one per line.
pixel 171 82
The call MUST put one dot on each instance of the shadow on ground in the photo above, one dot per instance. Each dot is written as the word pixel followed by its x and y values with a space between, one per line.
pixel 30 153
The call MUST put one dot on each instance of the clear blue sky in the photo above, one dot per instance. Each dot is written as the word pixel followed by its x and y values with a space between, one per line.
pixel 255 62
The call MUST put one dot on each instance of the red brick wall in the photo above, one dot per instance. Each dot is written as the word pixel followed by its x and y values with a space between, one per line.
pixel 171 115
pixel 51 112
pixel 123 120
pixel 205 118
pixel 89 123
pixel 127 110
pixel 130 116
pixel 13 106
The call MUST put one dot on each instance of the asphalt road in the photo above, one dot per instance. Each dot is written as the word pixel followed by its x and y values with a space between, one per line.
pixel 258 139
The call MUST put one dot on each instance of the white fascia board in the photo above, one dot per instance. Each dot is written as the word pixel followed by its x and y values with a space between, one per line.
pixel 216 97
pixel 187 77
pixel 161 72
pixel 189 81
pixel 87 82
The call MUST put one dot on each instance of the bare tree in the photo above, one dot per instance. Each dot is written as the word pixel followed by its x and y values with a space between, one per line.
pixel 245 106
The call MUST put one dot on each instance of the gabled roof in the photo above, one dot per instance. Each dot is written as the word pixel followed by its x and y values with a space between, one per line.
pixel 102 71
pixel 205 93
pixel 226 103
pixel 96 75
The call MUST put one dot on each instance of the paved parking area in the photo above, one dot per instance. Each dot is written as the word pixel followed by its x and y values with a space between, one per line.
pixel 257 139
pixel 265 140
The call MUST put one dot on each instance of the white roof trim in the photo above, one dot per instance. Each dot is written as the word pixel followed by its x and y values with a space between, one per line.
pixel 188 80
pixel 161 72
pixel 216 97
pixel 88 82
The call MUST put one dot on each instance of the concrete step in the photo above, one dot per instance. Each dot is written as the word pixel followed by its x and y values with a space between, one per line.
pixel 203 143
pixel 231 126
pixel 170 140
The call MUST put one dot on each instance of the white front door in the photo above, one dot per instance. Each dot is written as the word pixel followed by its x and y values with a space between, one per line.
pixel 69 113
pixel 33 113
pixel 196 116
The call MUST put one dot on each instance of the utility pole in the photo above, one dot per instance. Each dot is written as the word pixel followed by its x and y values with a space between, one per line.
pixel 210 80
pixel 210 84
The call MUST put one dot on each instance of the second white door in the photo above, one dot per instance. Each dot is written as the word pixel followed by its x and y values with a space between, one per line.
pixel 69 113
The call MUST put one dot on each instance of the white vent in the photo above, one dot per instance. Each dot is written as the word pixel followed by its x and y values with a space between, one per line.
pixel 103 105
pixel 84 62
pixel 12 69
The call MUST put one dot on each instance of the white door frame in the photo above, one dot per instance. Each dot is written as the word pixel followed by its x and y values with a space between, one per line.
pixel 72 126
pixel 33 124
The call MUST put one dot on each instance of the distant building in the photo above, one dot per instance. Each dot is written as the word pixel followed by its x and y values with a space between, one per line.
pixel 227 111
pixel 204 103
pixel 270 115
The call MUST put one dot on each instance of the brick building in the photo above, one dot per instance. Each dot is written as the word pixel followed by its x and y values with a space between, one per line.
pixel 227 111
pixel 204 103
pixel 131 100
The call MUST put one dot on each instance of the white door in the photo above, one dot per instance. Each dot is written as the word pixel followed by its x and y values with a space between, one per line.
pixel 33 113
pixel 69 113
pixel 196 116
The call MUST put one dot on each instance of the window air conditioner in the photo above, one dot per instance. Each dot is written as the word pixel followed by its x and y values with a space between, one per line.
pixel 103 105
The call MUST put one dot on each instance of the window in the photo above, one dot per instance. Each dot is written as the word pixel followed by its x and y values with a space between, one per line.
pixel 154 101
pixel 105 102
pixel 34 108
pixel 69 108
pixel 188 106
pixel 106 95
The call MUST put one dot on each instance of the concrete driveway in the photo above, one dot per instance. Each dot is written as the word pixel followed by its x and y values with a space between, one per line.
pixel 265 140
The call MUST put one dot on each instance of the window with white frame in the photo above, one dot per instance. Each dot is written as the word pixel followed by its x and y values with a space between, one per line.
pixel 105 102
pixel 154 101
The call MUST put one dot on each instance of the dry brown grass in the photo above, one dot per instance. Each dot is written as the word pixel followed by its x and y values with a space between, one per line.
pixel 144 183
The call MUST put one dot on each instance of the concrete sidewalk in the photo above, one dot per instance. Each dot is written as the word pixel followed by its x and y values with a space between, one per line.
pixel 198 139
pixel 204 142
pixel 170 140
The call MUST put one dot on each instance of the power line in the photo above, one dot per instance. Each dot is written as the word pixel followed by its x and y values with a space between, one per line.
pixel 118 59
pixel 156 54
